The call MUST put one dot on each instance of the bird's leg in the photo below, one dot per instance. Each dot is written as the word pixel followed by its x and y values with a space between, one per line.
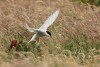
pixel 48 38
pixel 37 40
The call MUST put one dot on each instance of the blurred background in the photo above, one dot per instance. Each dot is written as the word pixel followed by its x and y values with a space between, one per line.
pixel 75 37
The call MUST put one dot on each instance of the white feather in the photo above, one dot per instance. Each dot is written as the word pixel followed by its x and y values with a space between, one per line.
pixel 33 37
pixel 29 28
pixel 49 20
pixel 42 30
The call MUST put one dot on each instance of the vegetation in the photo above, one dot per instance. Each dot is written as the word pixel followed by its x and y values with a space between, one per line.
pixel 92 2
pixel 75 37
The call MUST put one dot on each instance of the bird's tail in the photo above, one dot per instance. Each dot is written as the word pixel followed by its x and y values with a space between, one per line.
pixel 29 28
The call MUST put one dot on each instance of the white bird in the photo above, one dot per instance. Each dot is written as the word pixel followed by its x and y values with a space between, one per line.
pixel 42 31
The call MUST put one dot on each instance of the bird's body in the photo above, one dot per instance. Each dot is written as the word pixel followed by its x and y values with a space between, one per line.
pixel 38 34
pixel 42 31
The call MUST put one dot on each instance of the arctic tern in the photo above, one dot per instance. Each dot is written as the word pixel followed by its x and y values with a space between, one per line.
pixel 42 31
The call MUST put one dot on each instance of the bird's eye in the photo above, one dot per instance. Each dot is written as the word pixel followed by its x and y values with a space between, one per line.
pixel 49 33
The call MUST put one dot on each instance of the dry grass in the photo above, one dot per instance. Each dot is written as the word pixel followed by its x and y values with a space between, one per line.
pixel 75 35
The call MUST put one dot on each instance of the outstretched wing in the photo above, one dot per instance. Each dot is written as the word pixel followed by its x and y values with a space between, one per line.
pixel 29 28
pixel 33 38
pixel 49 20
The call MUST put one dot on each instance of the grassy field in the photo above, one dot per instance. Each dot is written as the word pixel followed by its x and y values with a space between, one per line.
pixel 75 40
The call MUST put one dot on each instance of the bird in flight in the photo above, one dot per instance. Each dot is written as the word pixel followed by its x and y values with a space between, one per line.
pixel 42 31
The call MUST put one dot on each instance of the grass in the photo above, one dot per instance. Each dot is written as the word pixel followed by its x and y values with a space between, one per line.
pixel 75 37
pixel 92 2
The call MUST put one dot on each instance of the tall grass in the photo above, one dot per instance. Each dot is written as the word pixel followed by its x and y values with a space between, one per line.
pixel 75 37
pixel 92 2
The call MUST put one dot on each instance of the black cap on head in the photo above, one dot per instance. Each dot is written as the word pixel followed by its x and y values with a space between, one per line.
pixel 49 33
